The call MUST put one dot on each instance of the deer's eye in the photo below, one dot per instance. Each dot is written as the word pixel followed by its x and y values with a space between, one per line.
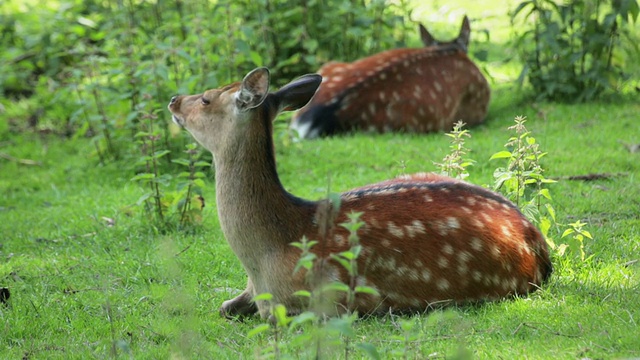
pixel 204 101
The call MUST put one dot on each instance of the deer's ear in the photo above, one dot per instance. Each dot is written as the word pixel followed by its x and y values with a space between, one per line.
pixel 297 93
pixel 465 33
pixel 254 89
pixel 427 39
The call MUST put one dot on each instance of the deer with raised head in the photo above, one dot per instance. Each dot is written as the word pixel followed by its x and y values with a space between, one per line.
pixel 427 238
pixel 409 90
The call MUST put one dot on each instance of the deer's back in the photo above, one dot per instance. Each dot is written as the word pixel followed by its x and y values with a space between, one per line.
pixel 413 90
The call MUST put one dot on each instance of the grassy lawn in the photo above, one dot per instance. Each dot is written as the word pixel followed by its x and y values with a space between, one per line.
pixel 89 278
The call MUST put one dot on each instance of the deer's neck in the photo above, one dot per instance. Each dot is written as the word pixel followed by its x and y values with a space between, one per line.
pixel 256 213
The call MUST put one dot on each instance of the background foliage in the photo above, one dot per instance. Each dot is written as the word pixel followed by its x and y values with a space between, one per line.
pixel 577 49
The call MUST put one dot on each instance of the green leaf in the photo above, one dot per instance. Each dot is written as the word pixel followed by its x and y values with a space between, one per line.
pixel 551 210
pixel 501 155
pixel 341 325
pixel 184 162
pixel 344 262
pixel 263 297
pixel 562 248
pixel 302 293
pixel 545 193
pixel 567 232
pixel 366 290
pixel 144 198
pixel 142 176
pixel 300 319
pixel 370 350
pixel 545 225
pixel 258 330
pixel 280 313
pixel 160 153
pixel 256 58
pixel 198 183
pixel 336 286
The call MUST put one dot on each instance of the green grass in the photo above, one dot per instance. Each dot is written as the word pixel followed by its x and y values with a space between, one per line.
pixel 80 286
pixel 83 288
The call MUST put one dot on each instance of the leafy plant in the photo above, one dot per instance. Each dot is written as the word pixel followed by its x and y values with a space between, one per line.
pixel 523 182
pixel 154 198
pixel 319 330
pixel 454 164
pixel 573 51
pixel 181 208
pixel 578 235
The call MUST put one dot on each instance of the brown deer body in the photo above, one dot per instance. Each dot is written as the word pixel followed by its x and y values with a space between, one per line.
pixel 411 90
pixel 427 238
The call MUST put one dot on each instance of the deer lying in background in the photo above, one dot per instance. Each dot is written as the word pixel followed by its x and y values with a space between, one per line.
pixel 426 239
pixel 412 90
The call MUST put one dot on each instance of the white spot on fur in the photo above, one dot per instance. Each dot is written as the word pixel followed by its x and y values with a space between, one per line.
pixel 443 262
pixel 476 275
pixel 464 256
pixel 386 243
pixel 394 230
pixel 487 218
pixel 477 223
pixel 425 275
pixel 447 249
pixel 443 284
pixel 417 227
pixel 495 251
pixel 476 244
pixel 463 268
pixel 505 231
pixel 441 227
pixel 453 223
pixel 372 108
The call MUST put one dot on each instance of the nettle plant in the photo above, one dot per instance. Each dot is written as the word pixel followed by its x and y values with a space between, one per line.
pixel 455 164
pixel 523 182
pixel 576 49
pixel 179 209
pixel 311 333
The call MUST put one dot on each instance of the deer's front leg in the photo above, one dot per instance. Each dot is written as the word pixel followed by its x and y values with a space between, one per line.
pixel 240 305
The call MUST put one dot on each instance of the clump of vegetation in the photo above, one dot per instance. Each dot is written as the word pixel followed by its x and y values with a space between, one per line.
pixel 89 65
pixel 577 49
pixel 311 333
pixel 180 209
pixel 454 164
pixel 522 180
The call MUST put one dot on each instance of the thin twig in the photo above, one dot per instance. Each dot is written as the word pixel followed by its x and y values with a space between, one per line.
pixel 183 250
pixel 20 161
pixel 546 328
pixel 591 177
